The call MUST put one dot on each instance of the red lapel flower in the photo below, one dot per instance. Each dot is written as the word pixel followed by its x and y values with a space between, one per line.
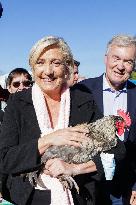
pixel 121 125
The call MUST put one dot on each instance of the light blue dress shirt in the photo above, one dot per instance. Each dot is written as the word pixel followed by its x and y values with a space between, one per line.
pixel 112 101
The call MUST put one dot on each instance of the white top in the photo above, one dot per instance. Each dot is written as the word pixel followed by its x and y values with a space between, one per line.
pixel 59 196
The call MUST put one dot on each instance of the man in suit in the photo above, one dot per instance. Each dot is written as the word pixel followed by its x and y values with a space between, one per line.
pixel 113 91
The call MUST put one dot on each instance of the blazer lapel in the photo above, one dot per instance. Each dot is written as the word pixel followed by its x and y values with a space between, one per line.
pixel 29 111
pixel 131 104
pixel 81 107
pixel 131 99
pixel 97 91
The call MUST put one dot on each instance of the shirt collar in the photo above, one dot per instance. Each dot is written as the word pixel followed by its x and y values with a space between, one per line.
pixel 106 87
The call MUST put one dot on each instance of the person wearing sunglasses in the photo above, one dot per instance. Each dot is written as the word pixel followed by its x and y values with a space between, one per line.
pixel 18 79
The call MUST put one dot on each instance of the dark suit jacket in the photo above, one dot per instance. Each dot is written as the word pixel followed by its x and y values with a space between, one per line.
pixel 96 86
pixel 19 140
pixel 1 10
pixel 1 176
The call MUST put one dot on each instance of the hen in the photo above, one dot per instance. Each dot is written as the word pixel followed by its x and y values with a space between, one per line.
pixel 102 137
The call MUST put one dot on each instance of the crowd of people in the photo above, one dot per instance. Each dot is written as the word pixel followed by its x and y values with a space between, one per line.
pixel 42 109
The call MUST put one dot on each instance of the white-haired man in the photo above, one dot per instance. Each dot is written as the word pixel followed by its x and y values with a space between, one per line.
pixel 113 91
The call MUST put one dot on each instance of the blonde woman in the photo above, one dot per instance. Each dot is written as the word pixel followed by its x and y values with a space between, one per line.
pixel 42 116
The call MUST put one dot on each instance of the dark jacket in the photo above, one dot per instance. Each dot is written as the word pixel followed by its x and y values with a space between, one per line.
pixel 4 94
pixel 1 176
pixel 19 140
pixel 124 178
pixel 1 10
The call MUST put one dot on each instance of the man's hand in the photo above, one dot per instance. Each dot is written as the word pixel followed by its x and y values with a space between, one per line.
pixel 133 198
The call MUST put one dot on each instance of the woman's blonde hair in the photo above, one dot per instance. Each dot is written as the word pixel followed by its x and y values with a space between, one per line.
pixel 46 42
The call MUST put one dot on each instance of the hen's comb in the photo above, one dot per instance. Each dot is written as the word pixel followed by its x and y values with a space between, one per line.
pixel 125 116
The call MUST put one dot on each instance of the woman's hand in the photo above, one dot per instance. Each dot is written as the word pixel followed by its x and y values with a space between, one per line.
pixel 68 136
pixel 56 167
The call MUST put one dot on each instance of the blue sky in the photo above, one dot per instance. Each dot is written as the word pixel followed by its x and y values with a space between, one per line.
pixel 86 25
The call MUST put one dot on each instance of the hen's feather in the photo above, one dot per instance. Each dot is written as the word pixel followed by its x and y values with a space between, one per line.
pixel 101 137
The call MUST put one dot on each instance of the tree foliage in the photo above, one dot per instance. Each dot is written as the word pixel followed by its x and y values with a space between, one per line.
pixel 133 75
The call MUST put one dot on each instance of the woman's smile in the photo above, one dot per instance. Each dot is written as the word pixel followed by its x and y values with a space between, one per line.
pixel 48 80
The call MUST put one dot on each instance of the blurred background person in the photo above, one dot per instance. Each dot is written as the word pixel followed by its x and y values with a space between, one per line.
pixel 74 75
pixel 18 79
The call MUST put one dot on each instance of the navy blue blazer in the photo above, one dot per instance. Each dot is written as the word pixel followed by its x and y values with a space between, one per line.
pixel 96 87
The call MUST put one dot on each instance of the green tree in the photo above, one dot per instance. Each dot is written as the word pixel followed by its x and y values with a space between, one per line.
pixel 133 75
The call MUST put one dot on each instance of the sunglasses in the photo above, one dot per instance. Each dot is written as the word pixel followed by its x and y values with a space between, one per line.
pixel 26 83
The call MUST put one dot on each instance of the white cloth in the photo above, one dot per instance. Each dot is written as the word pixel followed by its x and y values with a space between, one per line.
pixel 108 162
pixel 58 195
